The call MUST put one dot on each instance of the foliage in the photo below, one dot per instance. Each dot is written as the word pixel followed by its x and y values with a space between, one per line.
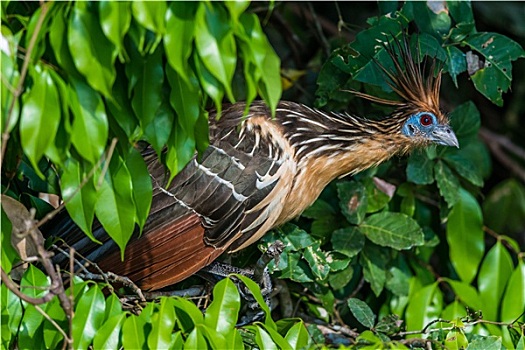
pixel 400 251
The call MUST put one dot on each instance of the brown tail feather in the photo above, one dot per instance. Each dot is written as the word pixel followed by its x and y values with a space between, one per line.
pixel 165 255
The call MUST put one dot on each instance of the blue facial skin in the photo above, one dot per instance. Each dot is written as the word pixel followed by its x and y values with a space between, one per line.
pixel 426 125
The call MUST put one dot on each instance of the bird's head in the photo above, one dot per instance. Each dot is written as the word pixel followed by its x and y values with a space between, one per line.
pixel 418 111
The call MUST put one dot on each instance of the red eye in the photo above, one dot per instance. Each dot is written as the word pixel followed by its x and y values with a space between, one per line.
pixel 425 120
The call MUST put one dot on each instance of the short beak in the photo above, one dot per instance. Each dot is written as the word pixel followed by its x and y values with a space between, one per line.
pixel 443 135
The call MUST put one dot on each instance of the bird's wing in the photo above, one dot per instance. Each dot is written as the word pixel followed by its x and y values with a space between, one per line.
pixel 223 201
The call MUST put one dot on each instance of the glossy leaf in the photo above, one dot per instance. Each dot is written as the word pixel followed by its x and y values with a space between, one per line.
pixel 492 279
pixel 256 293
pixel 264 340
pixel 80 201
pixel 141 184
pixel 34 284
pixel 185 97
pixel 89 123
pixel 40 115
pixel 93 54
pixel 113 307
pixel 180 33
pixel 393 230
pixel 89 316
pixel 498 51
pixel 196 340
pixel 181 149
pixel 431 17
pixel 425 305
pixel 466 293
pixel 456 340
pixel 297 336
pixel 9 254
pixel 362 312
pixel 10 78
pixel 108 336
pixel 216 45
pixel 162 323
pixel 222 313
pixel 188 314
pixel 148 76
pixel 115 20
pixel 133 336
pixel 513 302
pixel 465 236
pixel 150 15
pixel 115 207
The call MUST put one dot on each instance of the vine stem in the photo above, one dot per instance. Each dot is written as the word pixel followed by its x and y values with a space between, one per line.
pixel 23 73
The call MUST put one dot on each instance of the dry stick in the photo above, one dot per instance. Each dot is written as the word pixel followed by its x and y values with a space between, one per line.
pixel 23 73
pixel 39 309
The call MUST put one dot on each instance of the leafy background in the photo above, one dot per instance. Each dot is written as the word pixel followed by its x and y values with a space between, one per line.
pixel 426 248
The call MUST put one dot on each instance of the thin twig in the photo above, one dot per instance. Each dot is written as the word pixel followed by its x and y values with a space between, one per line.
pixel 501 239
pixel 53 322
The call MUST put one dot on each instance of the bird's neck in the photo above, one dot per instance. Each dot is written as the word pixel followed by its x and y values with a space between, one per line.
pixel 328 146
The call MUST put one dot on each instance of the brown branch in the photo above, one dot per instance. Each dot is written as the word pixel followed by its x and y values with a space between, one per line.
pixel 15 288
pixel 20 85
pixel 501 239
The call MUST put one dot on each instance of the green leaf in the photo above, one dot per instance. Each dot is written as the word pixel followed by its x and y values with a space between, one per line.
pixel 211 85
pixel 9 254
pixel 185 97
pixel 432 17
pixel 264 340
pixel 115 207
pixel 180 33
pixel 108 336
pixel 456 62
pixel 80 201
pixel 222 313
pixel 466 293
pixel 196 339
pixel 498 51
pixel 142 186
pixel 317 260
pixel 485 343
pixel 376 195
pixel 34 284
pixel 162 323
pixel 373 259
pixel 10 78
pixel 216 45
pixel 158 131
pixel 393 230
pixel 256 293
pixel 40 115
pixel 362 312
pixel 504 207
pixel 113 307
pixel 465 121
pixel 89 123
pixel 424 306
pixel 447 183
pixel 150 15
pixel 492 279
pixel 456 339
pixel 348 241
pixel 353 200
pixel 89 316
pixel 181 149
pixel 297 336
pixel 513 302
pixel 263 57
pixel 115 20
pixel 420 169
pixel 465 236
pixel 398 281
pixel 93 54
pixel 133 336
pixel 148 76
pixel 12 306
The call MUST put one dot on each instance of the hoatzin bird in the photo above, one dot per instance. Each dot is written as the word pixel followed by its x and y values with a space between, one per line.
pixel 260 172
